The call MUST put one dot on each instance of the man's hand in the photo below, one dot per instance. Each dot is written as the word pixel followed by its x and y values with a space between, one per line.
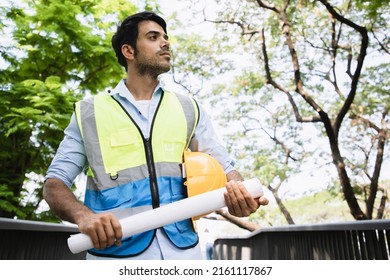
pixel 103 228
pixel 239 201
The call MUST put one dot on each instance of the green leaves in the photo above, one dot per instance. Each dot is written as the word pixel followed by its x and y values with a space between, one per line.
pixel 57 52
pixel 33 103
pixel 8 201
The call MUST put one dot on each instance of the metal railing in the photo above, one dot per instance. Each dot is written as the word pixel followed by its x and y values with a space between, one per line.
pixel 360 240
pixel 30 240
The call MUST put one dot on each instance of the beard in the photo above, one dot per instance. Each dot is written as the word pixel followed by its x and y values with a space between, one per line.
pixel 150 66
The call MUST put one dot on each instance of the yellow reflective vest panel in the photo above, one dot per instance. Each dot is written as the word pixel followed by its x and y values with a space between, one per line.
pixel 128 172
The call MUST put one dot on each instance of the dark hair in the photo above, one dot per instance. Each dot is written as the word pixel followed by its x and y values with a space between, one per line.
pixel 127 32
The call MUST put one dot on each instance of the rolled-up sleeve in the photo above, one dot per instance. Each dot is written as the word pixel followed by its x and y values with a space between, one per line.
pixel 207 141
pixel 70 159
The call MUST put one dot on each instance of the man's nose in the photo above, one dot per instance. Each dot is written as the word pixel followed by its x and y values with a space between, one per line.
pixel 164 43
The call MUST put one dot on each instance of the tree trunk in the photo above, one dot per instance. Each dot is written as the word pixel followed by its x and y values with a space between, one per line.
pixel 382 207
pixel 282 207
pixel 345 182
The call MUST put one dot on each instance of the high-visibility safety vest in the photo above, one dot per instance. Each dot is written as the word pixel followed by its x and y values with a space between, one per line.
pixel 132 174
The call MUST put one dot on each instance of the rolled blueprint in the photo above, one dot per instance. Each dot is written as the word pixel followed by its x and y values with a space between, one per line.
pixel 170 213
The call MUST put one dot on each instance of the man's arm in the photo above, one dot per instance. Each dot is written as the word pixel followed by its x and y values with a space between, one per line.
pixel 63 202
pixel 104 229
pixel 70 160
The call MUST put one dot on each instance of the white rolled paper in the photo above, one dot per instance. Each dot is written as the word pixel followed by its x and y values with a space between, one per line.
pixel 167 214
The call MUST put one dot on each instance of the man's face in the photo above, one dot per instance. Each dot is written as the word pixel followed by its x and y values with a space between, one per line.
pixel 152 55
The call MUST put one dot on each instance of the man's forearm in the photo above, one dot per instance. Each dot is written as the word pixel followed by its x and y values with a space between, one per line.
pixel 63 202
pixel 103 228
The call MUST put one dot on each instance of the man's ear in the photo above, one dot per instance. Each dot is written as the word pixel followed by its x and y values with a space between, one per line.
pixel 128 52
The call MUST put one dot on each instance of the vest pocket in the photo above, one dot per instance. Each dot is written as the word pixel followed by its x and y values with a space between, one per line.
pixel 122 137
pixel 172 150
pixel 183 226
pixel 123 144
pixel 111 198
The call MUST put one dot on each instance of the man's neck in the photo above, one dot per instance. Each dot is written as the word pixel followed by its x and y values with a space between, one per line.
pixel 141 87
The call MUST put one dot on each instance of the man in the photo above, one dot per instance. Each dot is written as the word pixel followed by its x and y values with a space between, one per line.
pixel 132 142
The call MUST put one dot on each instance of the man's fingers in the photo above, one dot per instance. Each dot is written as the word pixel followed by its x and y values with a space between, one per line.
pixel 113 231
pixel 95 239
pixel 251 204
pixel 110 234
pixel 263 200
pixel 239 201
pixel 236 200
pixel 104 230
pixel 242 206
pixel 231 199
pixel 232 204
pixel 102 237
pixel 117 231
pixel 228 202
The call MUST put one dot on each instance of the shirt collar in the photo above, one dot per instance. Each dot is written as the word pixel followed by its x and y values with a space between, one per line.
pixel 122 90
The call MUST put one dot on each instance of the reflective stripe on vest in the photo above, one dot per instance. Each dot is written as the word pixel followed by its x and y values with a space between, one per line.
pixel 116 152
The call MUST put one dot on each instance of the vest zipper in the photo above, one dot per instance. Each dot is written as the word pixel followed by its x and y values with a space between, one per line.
pixel 150 160
pixel 149 155
pixel 152 173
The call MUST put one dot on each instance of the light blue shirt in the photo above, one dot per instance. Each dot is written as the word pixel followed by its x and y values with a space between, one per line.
pixel 70 159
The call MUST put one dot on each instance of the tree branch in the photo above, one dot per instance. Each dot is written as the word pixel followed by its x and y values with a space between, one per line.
pixel 244 29
pixel 270 80
pixel 281 205
pixel 383 46
pixel 265 5
pixel 297 74
pixel 360 60
pixel 238 221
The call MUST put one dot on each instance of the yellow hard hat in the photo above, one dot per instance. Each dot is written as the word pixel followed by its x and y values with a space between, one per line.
pixel 203 173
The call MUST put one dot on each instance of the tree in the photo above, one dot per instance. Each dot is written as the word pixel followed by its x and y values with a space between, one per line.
pixel 194 60
pixel 56 53
pixel 330 62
